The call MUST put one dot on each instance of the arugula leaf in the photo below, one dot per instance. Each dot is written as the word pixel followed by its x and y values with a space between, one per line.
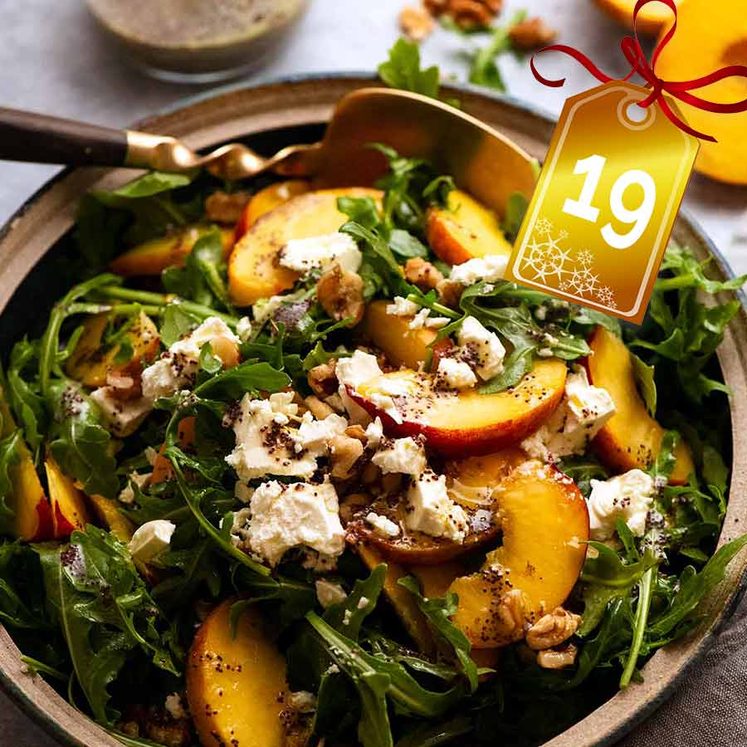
pixel 348 616
pixel 176 322
pixel 22 394
pixel 484 69
pixel 78 441
pixel 516 208
pixel 249 376
pixel 438 612
pixel 644 376
pixel 105 612
pixel 402 70
pixel 148 185
pixel 9 456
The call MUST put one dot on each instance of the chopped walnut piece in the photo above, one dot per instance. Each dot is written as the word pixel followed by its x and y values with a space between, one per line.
pixel 421 273
pixel 341 294
pixel 345 452
pixel 322 379
pixel 531 34
pixel 318 409
pixel 552 659
pixel 175 734
pixel 510 612
pixel 222 207
pixel 415 22
pixel 449 293
pixel 467 14
pixel 552 629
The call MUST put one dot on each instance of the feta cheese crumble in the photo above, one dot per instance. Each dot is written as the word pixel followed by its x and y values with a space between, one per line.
pixel 432 512
pixel 628 497
pixel 374 433
pixel 244 328
pixel 491 267
pixel 400 306
pixel 487 350
pixel 122 415
pixel 423 319
pixel 578 418
pixel 282 516
pixel 318 252
pixel 329 593
pixel 151 539
pixel 382 525
pixel 403 455
pixel 455 374
pixel 264 445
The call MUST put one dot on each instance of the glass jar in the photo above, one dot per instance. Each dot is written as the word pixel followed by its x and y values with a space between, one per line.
pixel 196 40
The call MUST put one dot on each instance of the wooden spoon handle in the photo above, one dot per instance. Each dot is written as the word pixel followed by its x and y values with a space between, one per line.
pixel 38 138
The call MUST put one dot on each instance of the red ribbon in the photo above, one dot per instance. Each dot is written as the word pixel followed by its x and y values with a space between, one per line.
pixel 631 48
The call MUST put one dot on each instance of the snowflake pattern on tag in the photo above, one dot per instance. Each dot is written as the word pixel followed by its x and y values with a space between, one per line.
pixel 547 261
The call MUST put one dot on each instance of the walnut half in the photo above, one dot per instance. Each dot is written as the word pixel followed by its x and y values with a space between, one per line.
pixel 557 659
pixel 552 629
pixel 341 294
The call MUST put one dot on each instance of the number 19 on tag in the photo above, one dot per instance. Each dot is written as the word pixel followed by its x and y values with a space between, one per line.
pixel 605 203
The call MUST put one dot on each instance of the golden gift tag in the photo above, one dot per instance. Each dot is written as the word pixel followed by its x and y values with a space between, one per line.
pixel 605 203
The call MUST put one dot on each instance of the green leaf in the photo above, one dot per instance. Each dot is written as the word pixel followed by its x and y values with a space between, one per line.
pixel 644 377
pixel 402 70
pixel 484 68
pixel 150 184
pixel 438 612
pixel 348 616
pixel 403 244
pixel 360 210
pixel 176 323
pixel 516 208
pixel 249 376
pixel 79 443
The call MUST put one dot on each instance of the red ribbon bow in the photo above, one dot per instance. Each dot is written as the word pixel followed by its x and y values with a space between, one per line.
pixel 631 48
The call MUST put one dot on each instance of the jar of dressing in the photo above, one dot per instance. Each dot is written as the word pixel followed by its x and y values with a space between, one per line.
pixel 196 41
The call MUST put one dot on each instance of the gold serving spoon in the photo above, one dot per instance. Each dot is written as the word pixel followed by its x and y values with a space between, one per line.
pixel 482 160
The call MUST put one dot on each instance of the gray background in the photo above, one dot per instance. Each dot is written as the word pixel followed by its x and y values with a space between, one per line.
pixel 53 60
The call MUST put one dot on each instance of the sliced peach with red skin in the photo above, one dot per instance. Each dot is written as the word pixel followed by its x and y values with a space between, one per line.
pixel 631 438
pixel 268 198
pixel 464 229
pixel 91 361
pixel 69 509
pixel 235 681
pixel 32 519
pixel 154 256
pixel 545 526
pixel 466 423
pixel 401 345
pixel 253 269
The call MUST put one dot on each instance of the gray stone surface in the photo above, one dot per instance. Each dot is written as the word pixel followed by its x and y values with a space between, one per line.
pixel 53 60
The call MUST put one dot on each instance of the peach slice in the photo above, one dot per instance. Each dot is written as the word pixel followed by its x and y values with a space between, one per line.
pixel 401 345
pixel 631 437
pixel 465 423
pixel 464 229
pixel 108 513
pixel 545 526
pixel 154 256
pixel 91 362
pixel 253 271
pixel 69 510
pixel 32 520
pixel 652 18
pixel 268 199
pixel 235 681
pixel 711 36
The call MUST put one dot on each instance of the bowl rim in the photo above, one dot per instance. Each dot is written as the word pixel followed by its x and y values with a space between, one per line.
pixel 723 609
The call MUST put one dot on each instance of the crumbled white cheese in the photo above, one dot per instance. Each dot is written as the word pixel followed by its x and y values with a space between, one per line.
pixel 283 516
pixel 123 416
pixel 244 328
pixel 175 707
pixel 389 387
pixel 266 308
pixel 329 593
pixel 432 512
pixel 315 435
pixel 318 562
pixel 351 372
pixel 491 267
pixel 423 319
pixel 318 252
pixel 455 374
pixel 363 603
pixel 374 433
pixel 579 417
pixel 403 455
pixel 265 445
pixel 628 497
pixel 176 368
pixel 382 525
pixel 347 617
pixel 127 494
pixel 484 345
pixel 151 539
pixel 401 306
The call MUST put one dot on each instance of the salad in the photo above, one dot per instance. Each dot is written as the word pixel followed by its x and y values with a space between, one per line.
pixel 292 466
